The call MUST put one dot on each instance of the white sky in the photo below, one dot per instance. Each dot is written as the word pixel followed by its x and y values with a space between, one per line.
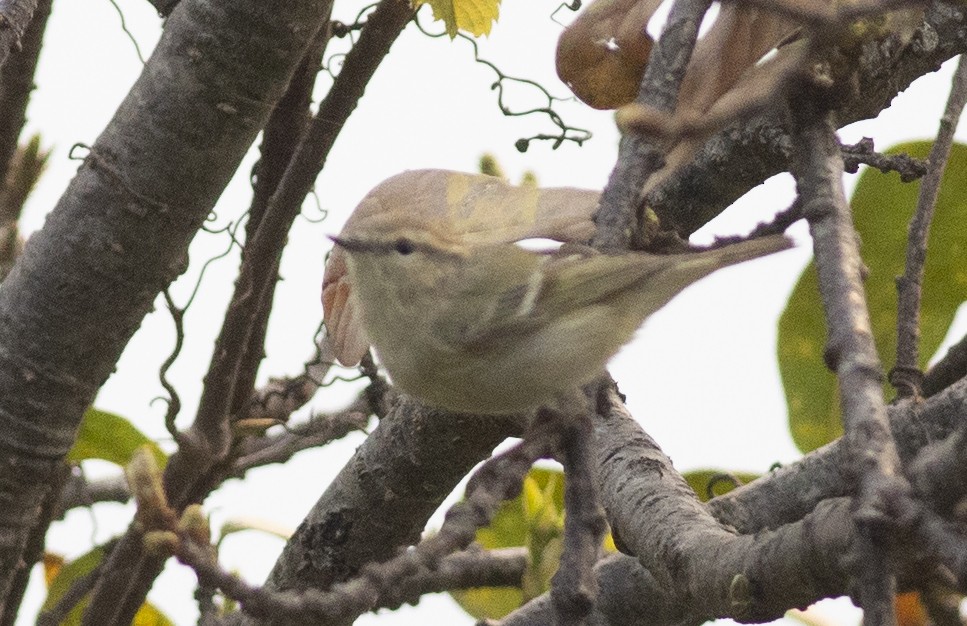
pixel 429 105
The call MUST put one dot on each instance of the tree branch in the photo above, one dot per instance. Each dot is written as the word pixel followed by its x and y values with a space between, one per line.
pixel 573 587
pixel 746 153
pixel 690 569
pixel 15 16
pixel 498 479
pixel 850 352
pixel 788 493
pixel 17 79
pixel 906 375
pixel 948 370
pixel 405 468
pixel 121 231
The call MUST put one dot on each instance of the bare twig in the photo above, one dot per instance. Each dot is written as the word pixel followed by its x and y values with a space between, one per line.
pixel 851 353
pixel 79 491
pixel 906 375
pixel 283 132
pixel 473 567
pixel 864 153
pixel 318 431
pixel 574 586
pixel 281 397
pixel 238 348
pixel 497 480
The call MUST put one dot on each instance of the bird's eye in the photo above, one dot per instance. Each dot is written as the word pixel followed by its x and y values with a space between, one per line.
pixel 404 246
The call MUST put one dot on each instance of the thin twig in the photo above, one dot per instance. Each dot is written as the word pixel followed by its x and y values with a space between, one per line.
pixel 863 153
pixel 906 375
pixel 497 480
pixel 574 587
pixel 282 134
pixel 318 431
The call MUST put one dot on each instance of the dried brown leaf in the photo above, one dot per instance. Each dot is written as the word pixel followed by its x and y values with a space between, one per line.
pixel 602 55
pixel 737 41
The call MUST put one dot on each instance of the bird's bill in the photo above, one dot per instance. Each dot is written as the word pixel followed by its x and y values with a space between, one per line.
pixel 351 245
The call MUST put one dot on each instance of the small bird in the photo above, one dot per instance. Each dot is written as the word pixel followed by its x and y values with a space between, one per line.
pixel 497 329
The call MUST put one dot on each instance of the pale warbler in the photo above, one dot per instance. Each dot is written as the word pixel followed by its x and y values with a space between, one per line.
pixel 496 328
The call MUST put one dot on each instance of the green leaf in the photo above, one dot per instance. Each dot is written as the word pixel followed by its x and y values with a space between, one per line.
pixel 111 438
pixel 882 209
pixel 77 569
pixel 474 16
pixel 699 481
pixel 535 520
pixel 514 525
pixel 149 615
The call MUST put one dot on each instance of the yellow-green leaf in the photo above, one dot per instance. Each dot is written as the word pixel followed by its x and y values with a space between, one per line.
pixel 699 481
pixel 149 615
pixel 111 438
pixel 535 520
pixel 473 16
pixel 882 209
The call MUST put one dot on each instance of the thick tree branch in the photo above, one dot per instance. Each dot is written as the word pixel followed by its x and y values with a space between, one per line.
pixel 17 81
pixel 120 232
pixel 35 545
pixel 709 569
pixel 15 16
pixel 691 569
pixel 790 492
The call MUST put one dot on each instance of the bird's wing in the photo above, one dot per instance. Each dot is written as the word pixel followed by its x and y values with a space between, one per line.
pixel 548 286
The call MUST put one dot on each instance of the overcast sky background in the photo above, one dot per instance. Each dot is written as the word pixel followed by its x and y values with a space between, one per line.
pixel 701 376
